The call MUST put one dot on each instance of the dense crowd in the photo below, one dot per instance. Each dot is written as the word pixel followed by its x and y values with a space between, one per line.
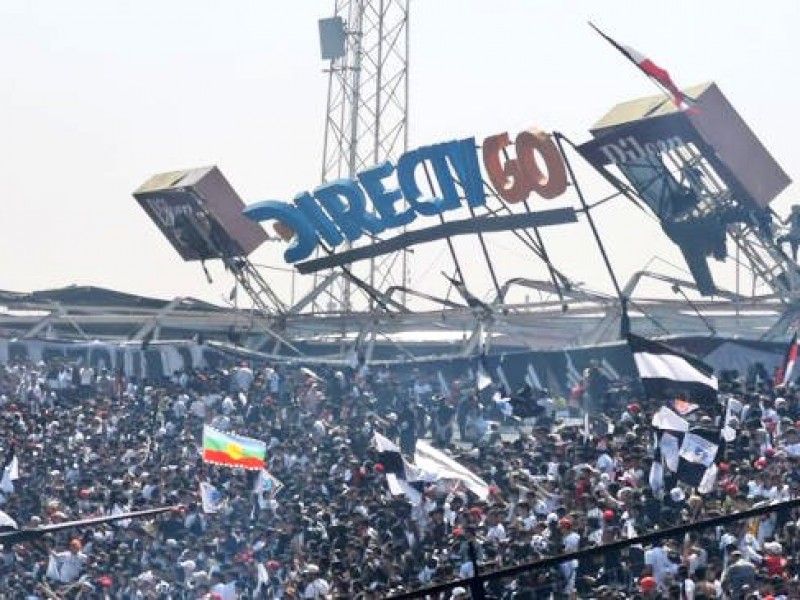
pixel 90 442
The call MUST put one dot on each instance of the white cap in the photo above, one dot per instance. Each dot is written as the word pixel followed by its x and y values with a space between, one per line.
pixel 677 494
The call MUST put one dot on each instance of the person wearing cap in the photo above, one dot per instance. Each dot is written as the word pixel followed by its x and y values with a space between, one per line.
pixel 571 541
pixel 657 558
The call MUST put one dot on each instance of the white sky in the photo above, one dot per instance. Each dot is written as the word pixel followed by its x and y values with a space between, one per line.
pixel 98 95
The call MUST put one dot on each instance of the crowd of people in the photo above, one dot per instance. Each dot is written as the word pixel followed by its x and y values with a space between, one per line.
pixel 89 442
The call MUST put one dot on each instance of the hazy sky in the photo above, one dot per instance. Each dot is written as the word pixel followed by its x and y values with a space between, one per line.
pixel 98 95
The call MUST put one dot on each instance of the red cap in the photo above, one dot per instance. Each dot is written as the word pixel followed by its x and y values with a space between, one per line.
pixel 378 467
pixel 647 584
pixel 760 463
pixel 105 581
pixel 565 522
pixel 608 515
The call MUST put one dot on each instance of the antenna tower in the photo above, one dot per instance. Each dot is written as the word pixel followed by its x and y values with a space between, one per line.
pixel 366 123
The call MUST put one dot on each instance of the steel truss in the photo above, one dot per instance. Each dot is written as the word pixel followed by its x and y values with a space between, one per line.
pixel 366 123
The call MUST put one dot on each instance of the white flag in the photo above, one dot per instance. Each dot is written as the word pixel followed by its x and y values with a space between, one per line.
pixel 669 451
pixel 268 484
pixel 698 450
pixel 667 419
pixel 211 498
pixel 436 462
pixel 10 475
pixel 709 478
pixel 483 380
pixel 7 522
pixel 656 478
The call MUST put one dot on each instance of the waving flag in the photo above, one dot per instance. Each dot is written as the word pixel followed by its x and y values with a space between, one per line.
pixel 10 472
pixel 233 450
pixel 668 373
pixel 7 523
pixel 268 484
pixel 697 456
pixel 652 70
pixel 210 497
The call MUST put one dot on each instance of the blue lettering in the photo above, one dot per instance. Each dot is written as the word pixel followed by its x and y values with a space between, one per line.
pixel 382 199
pixel 305 238
pixel 463 154
pixel 345 203
pixel 313 211
pixel 406 168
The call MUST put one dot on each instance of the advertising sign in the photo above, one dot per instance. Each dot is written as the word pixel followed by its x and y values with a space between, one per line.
pixel 388 196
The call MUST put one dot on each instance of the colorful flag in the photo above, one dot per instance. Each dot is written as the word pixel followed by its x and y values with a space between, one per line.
pixel 652 70
pixel 233 450
pixel 785 374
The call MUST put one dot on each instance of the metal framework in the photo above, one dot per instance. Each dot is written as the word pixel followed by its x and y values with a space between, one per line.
pixel 590 318
pixel 366 123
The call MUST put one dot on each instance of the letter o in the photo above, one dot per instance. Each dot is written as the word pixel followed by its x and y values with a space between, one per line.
pixel 548 185
pixel 508 180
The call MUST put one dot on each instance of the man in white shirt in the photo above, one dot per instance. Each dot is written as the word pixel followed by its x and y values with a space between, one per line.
pixel 571 541
pixel 67 566
pixel 658 558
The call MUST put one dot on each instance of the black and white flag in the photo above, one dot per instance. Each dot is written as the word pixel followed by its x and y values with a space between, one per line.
pixel 430 465
pixel 689 453
pixel 668 374
pixel 696 458
pixel 401 476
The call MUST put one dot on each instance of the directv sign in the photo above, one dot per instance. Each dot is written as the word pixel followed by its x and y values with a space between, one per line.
pixel 388 196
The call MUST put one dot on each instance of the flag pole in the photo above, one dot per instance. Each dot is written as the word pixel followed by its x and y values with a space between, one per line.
pixel 661 87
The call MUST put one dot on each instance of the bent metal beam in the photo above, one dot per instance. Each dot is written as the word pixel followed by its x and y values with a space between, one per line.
pixel 405 240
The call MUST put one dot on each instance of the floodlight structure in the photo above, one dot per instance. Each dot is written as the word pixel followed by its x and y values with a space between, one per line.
pixel 707 178
pixel 366 42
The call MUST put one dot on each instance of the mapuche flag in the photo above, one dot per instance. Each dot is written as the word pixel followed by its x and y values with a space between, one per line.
pixel 233 450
